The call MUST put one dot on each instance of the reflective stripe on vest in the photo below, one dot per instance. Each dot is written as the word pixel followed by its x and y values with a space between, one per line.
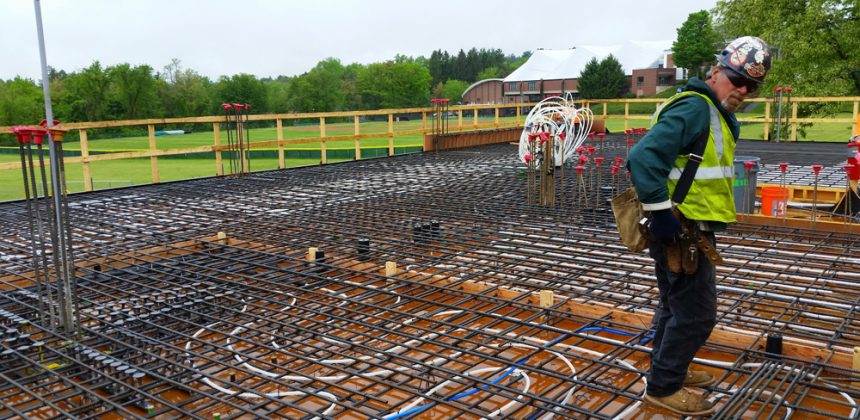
pixel 711 195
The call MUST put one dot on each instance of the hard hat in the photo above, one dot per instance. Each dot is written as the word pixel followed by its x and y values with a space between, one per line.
pixel 748 56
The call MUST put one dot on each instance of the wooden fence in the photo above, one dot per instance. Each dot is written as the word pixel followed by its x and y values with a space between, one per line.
pixel 464 118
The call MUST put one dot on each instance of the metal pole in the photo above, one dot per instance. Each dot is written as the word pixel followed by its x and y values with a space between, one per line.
pixel 64 274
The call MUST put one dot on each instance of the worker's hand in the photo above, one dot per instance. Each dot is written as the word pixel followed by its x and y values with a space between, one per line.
pixel 664 226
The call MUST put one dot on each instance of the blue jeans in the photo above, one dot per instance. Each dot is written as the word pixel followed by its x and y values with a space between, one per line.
pixel 683 321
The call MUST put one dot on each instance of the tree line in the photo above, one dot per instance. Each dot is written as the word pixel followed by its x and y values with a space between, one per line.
pixel 126 91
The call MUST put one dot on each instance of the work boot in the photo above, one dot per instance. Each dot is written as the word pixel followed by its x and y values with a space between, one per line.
pixel 684 403
pixel 699 378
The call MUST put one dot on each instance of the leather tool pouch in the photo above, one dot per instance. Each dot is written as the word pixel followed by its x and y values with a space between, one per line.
pixel 683 255
pixel 689 251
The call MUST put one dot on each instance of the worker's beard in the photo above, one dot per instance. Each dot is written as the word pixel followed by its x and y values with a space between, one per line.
pixel 732 102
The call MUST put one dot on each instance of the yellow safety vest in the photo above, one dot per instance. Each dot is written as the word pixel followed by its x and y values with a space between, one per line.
pixel 711 197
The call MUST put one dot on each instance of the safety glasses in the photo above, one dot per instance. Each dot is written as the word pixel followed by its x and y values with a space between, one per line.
pixel 740 81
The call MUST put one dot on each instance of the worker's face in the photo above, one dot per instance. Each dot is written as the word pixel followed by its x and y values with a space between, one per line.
pixel 731 88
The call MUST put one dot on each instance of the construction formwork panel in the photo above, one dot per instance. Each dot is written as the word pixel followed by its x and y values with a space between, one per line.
pixel 434 291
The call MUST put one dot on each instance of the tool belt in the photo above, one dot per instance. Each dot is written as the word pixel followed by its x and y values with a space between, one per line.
pixel 683 255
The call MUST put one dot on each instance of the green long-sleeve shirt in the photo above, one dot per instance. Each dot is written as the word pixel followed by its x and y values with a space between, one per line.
pixel 680 123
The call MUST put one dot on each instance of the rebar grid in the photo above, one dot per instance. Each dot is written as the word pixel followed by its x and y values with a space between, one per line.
pixel 180 322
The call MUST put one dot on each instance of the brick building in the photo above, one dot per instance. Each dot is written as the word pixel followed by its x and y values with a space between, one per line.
pixel 556 72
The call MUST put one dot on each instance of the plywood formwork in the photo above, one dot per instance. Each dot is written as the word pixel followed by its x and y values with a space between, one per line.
pixel 423 299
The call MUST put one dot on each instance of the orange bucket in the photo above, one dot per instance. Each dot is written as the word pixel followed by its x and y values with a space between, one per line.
pixel 773 201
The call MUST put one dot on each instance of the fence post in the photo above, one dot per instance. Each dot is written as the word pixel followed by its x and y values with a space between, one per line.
pixel 794 121
pixel 216 133
pixel 626 114
pixel 390 134
pixel 496 121
pixel 322 142
pixel 85 161
pixel 475 119
pixel 604 110
pixel 279 124
pixel 766 121
pixel 460 120
pixel 855 128
pixel 423 123
pixel 518 117
pixel 356 133
pixel 153 160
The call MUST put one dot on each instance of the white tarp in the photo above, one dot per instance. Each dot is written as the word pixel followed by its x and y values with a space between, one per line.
pixel 568 63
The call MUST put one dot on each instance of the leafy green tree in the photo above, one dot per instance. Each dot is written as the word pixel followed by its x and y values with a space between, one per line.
pixel 321 89
pixel 491 72
pixel 87 94
pixel 20 102
pixel 240 88
pixel 184 92
pixel 394 85
pixel 817 42
pixel 278 95
pixel 602 80
pixel 453 90
pixel 696 43
pixel 133 88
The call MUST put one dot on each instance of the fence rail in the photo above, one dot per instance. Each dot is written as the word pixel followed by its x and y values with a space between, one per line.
pixel 460 114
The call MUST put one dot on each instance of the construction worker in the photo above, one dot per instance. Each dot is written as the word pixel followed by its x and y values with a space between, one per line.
pixel 682 235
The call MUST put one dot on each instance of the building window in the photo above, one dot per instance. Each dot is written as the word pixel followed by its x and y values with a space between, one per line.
pixel 512 87
pixel 532 86
pixel 640 80
pixel 664 80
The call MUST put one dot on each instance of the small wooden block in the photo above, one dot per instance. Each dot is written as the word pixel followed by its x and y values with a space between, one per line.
pixel 390 268
pixel 312 253
pixel 222 238
pixel 547 298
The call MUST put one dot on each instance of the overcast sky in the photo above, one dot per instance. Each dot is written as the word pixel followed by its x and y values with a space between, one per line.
pixel 271 38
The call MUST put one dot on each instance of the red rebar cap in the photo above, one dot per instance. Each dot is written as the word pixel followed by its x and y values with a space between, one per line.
pixel 618 160
pixel 583 158
pixel 22 133
pixel 601 136
pixel 777 89
pixel 783 167
pixel 563 135
pixel 533 136
pixel 629 141
pixel 527 157
pixel 579 169
pixel 598 160
pixel 39 136
pixel 591 136
pixel 589 149
pixel 580 149
pixel 817 168
pixel 749 164
pixel 227 107
pixel 237 106
pixel 544 136
pixel 247 106
pixel 788 89
pixel 628 131
pixel 614 169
